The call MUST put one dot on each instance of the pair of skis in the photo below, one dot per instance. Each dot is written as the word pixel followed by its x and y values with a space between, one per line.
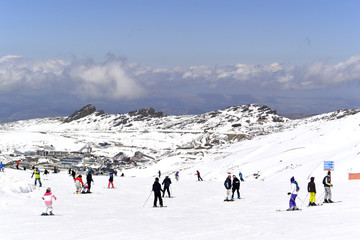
pixel 294 210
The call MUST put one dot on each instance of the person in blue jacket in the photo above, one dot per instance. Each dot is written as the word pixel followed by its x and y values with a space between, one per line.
pixel 1 167
pixel 227 185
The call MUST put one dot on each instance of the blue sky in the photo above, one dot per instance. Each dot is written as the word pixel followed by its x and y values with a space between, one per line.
pixel 192 47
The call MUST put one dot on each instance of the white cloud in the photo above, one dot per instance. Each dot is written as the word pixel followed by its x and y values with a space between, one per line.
pixel 89 79
pixel 114 79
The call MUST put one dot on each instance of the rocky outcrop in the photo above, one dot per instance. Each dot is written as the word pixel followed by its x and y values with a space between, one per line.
pixel 83 112
pixel 145 113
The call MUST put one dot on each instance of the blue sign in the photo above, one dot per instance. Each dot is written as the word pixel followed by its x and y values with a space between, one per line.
pixel 328 165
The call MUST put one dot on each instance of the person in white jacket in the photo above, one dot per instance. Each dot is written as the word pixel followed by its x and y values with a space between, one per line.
pixel 293 194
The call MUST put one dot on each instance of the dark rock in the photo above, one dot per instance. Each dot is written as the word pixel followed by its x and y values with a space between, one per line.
pixel 83 112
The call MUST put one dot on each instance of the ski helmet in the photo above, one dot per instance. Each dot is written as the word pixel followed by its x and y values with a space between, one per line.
pixel 48 189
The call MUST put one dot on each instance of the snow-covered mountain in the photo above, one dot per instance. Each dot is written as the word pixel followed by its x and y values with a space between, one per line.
pixel 265 147
pixel 146 139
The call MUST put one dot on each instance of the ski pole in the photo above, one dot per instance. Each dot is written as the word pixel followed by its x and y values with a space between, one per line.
pixel 321 196
pixel 305 199
pixel 301 200
pixel 147 199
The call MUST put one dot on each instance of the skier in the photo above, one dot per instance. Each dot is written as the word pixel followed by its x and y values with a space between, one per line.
pixel 235 187
pixel 48 196
pixel 198 175
pixel 79 184
pixel 89 179
pixel 111 180
pixel 73 174
pixel 2 167
pixel 159 172
pixel 241 177
pixel 37 176
pixel 157 192
pixel 227 185
pixel 177 175
pixel 294 192
pixel 312 191
pixel 327 186
pixel 17 164
pixel 46 171
pixel 166 183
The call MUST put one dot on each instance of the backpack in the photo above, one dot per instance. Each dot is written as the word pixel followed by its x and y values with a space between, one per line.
pixel 324 180
pixel 297 186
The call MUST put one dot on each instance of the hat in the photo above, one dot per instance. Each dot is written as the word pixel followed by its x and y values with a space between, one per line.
pixel 157 179
pixel 229 176
pixel 48 189
pixel 292 179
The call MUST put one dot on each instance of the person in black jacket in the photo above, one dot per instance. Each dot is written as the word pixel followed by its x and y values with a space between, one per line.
pixel 235 187
pixel 89 179
pixel 312 191
pixel 157 192
pixel 166 183
pixel 327 185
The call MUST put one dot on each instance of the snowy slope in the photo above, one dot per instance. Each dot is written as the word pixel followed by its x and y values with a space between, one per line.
pixel 267 161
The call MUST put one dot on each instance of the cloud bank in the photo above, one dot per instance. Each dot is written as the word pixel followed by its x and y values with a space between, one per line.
pixel 115 79
pixel 58 86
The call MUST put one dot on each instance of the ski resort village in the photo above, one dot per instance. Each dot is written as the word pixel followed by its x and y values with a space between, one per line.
pixel 146 175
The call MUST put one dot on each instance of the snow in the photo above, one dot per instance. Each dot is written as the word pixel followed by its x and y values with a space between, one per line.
pixel 197 211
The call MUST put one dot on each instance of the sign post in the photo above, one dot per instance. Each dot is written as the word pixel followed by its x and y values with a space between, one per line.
pixel 328 165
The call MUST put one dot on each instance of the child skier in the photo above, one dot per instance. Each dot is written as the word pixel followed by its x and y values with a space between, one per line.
pixel 312 191
pixel 111 181
pixel 294 192
pixel 227 185
pixel 78 184
pixel 177 176
pixel 48 196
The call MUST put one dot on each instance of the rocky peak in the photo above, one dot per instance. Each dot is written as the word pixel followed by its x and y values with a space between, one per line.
pixel 83 112
pixel 146 112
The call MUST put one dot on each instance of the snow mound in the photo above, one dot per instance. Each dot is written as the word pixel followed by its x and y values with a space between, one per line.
pixel 12 184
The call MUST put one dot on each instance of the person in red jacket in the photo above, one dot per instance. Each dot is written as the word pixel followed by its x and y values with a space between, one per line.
pixel 79 184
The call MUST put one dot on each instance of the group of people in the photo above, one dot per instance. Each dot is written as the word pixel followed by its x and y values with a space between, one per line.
pixel 80 187
pixel 312 191
pixel 159 193
pixel 232 186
